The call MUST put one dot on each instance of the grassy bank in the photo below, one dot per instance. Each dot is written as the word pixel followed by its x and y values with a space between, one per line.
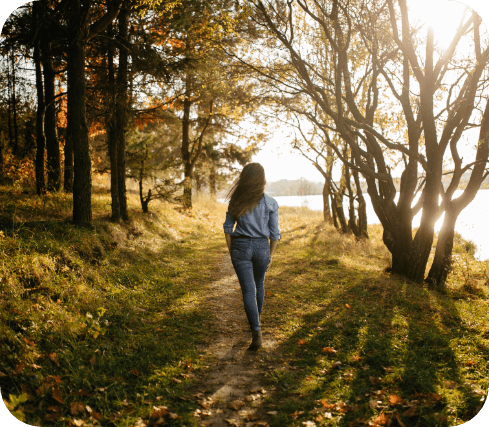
pixel 101 323
pixel 105 325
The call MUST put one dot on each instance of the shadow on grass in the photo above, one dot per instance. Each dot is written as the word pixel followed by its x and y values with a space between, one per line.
pixel 380 346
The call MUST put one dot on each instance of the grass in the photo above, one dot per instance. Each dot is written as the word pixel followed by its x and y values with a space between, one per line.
pixel 105 325
pixel 97 322
pixel 361 347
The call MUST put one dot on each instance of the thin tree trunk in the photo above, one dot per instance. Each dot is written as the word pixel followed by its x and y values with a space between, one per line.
pixel 326 207
pixel 14 110
pixel 187 163
pixel 121 111
pixel 41 142
pixel 111 133
pixel 52 145
pixel 212 182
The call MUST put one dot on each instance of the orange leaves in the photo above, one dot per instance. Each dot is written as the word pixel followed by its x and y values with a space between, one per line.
pixel 54 358
pixel 57 395
pixel 382 420
pixel 76 408
pixel 395 399
pixel 329 350
pixel 159 412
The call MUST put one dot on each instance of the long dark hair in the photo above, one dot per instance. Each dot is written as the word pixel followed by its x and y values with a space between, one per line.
pixel 247 191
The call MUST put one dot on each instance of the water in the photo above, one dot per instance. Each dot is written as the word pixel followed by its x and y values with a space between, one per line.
pixel 470 223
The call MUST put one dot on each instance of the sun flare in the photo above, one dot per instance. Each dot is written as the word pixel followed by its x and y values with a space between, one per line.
pixel 443 15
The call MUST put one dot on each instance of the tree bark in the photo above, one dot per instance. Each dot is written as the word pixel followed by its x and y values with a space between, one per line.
pixel 41 142
pixel 78 131
pixel 52 145
pixel 326 207
pixel 121 111
pixel 110 126
pixel 187 161
pixel 14 110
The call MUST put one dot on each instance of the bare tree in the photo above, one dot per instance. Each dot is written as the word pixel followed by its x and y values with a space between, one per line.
pixel 382 94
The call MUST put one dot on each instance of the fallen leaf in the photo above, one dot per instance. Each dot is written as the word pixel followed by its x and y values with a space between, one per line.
pixel 326 404
pixel 57 395
pixel 93 360
pixel 77 407
pixel 374 380
pixel 309 423
pixel 382 420
pixel 410 412
pixel 272 412
pixel 395 399
pixel 233 422
pixel 329 350
pixel 78 423
pixel 54 358
pixel 19 367
pixel 135 372
pixel 173 416
pixel 176 380
pixel 296 414
pixel 159 411
pixel 236 404
pixel 347 306
pixel 302 342
pixel 140 423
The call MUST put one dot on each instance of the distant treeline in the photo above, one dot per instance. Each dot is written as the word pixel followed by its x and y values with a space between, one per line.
pixel 297 187
pixel 303 187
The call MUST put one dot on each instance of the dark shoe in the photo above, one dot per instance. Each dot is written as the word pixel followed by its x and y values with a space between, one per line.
pixel 256 343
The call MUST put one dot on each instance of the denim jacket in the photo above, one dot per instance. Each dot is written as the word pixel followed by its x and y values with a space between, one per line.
pixel 262 221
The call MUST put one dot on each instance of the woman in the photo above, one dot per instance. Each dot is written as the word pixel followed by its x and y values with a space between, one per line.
pixel 256 217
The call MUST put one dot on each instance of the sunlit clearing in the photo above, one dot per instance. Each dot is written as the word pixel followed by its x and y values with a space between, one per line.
pixel 443 15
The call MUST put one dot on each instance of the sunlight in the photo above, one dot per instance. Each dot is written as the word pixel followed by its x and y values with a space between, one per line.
pixel 443 15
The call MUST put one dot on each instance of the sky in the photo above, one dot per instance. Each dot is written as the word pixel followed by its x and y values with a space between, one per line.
pixel 278 157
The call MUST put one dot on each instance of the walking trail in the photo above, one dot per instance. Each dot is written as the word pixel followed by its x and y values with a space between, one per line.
pixel 232 391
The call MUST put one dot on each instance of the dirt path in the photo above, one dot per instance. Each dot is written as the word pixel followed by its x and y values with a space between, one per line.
pixel 231 393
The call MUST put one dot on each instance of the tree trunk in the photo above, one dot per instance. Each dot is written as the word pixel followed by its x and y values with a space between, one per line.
pixel 121 111
pixel 442 261
pixel 326 207
pixel 187 163
pixel 41 142
pixel 68 163
pixel 14 111
pixel 52 145
pixel 110 126
pixel 78 131
pixel 212 182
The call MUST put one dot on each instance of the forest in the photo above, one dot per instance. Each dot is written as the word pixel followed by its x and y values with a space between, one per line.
pixel 123 121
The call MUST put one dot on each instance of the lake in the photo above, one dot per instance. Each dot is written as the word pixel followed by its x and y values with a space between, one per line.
pixel 470 224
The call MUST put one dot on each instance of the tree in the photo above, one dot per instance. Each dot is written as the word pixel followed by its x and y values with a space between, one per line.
pixel 364 92
pixel 77 24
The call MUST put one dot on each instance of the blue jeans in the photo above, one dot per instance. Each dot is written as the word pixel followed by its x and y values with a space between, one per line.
pixel 250 258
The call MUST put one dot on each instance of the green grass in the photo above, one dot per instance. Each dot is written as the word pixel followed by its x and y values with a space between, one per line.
pixel 102 324
pixel 355 337
pixel 109 316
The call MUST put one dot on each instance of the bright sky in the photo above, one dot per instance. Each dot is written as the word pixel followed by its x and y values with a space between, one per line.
pixel 278 157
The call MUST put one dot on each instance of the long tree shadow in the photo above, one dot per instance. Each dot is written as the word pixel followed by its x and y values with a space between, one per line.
pixel 380 346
